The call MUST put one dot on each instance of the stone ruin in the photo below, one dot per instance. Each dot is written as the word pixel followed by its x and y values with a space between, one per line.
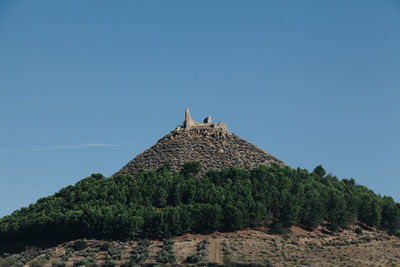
pixel 189 123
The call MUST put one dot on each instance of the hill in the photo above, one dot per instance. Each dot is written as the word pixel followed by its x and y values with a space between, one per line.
pixel 209 143
pixel 179 198
pixel 159 204
pixel 249 247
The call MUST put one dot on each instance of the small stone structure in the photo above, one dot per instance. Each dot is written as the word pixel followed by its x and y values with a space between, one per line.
pixel 211 144
pixel 189 123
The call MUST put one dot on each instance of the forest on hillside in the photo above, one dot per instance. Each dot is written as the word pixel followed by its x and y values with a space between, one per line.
pixel 160 203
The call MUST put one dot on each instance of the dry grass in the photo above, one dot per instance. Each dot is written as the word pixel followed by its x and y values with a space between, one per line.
pixel 298 248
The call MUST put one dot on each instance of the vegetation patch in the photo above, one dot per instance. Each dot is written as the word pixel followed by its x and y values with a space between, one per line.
pixel 140 253
pixel 114 253
pixel 167 255
pixel 160 204
pixel 58 263
pixel 79 245
pixel 201 256
pixel 40 262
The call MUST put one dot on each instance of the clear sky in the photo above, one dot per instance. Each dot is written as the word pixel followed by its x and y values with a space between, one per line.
pixel 85 86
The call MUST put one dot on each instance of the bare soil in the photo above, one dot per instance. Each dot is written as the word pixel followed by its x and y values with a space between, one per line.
pixel 256 246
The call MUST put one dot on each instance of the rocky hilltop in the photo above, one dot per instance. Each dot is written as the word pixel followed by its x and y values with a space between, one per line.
pixel 210 143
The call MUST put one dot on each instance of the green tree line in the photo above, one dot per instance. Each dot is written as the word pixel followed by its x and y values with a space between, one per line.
pixel 161 203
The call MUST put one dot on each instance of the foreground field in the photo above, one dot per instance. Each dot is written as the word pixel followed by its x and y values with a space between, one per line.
pixel 251 247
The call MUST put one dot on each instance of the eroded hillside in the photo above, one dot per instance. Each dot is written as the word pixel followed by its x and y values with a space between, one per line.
pixel 251 247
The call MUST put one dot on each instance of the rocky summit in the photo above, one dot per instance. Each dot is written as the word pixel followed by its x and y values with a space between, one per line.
pixel 210 143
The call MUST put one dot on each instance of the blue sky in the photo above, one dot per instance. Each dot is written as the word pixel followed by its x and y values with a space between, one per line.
pixel 85 86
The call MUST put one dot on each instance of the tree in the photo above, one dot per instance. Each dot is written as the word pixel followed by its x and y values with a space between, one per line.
pixel 390 218
pixel 320 171
pixel 192 167
pixel 312 211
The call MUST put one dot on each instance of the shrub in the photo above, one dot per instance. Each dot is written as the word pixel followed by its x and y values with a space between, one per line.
pixel 22 258
pixel 140 253
pixel 114 252
pixel 7 261
pixel 277 228
pixel 202 253
pixel 79 245
pixel 88 253
pixel 58 263
pixel 194 258
pixel 48 254
pixel 69 252
pixel 109 260
pixel 105 246
pixel 90 259
pixel 227 260
pixel 167 255
pixel 192 167
pixel 79 262
pixel 32 251
pixel 41 262
pixel 168 243
pixel 16 263
pixel 65 257
pixel 5 255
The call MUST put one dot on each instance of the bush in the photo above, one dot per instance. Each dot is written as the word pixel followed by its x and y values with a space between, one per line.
pixel 227 260
pixel 22 258
pixel 88 253
pixel 130 264
pixel 58 263
pixel 202 253
pixel 109 260
pixel 168 243
pixel 277 228
pixel 32 251
pixel 115 252
pixel 167 255
pixel 90 259
pixel 105 246
pixel 8 261
pixel 5 255
pixel 69 252
pixel 41 262
pixel 192 167
pixel 79 262
pixel 358 231
pixel 65 257
pixel 79 245
pixel 48 254
pixel 194 258
pixel 140 253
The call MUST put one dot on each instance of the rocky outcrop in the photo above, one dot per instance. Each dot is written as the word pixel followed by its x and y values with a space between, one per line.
pixel 211 144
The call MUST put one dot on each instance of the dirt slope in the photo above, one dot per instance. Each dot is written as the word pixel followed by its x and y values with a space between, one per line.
pixel 299 248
